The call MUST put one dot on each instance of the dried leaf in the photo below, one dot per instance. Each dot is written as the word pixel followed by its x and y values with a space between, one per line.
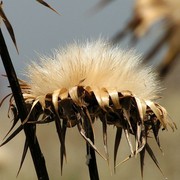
pixel 32 107
pixel 126 159
pixel 116 145
pixel 85 110
pixel 114 97
pixel 156 112
pixel 102 97
pixel 104 125
pixel 82 132
pixel 137 138
pixel 1 102
pixel 23 156
pixel 155 128
pixel 126 106
pixel 150 152
pixel 141 106
pixel 55 97
pixel 47 5
pixel 13 134
pixel 63 93
pixel 143 142
pixel 73 92
pixel 142 155
pixel 129 141
pixel 44 120
pixel 63 148
pixel 59 129
pixel 15 119
pixel 59 132
pixel 41 100
pixel 8 25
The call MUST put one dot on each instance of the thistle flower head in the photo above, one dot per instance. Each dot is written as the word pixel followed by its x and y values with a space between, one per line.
pixel 91 81
pixel 94 64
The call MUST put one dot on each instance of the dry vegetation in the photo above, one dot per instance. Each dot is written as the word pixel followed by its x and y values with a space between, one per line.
pixel 85 107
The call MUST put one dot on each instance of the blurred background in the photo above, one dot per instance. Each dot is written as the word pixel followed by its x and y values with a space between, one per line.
pixel 39 30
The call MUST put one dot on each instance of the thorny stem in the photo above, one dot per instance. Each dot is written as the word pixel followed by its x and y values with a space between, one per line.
pixel 37 156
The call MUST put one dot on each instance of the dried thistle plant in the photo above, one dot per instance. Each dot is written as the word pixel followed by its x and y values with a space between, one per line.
pixel 95 81
pixel 145 14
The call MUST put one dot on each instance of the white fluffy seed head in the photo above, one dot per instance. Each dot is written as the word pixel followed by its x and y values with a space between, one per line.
pixel 94 64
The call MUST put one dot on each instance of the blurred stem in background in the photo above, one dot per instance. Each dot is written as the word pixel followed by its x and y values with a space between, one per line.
pixel 145 14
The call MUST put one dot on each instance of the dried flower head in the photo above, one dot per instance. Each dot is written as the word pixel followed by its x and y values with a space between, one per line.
pixel 82 83
pixel 95 64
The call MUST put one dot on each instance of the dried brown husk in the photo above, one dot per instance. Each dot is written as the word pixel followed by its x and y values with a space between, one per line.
pixel 135 117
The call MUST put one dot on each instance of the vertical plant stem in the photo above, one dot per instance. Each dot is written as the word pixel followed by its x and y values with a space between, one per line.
pixel 37 156
pixel 91 157
pixel 92 165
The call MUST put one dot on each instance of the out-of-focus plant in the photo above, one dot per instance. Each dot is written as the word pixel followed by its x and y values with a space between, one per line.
pixel 145 14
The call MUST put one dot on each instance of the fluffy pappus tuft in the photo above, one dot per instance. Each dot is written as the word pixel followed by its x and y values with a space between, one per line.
pixel 95 64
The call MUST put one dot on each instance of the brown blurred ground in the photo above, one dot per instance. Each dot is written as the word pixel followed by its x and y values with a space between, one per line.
pixel 76 169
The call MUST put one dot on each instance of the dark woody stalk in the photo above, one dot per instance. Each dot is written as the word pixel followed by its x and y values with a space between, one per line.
pixel 31 139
